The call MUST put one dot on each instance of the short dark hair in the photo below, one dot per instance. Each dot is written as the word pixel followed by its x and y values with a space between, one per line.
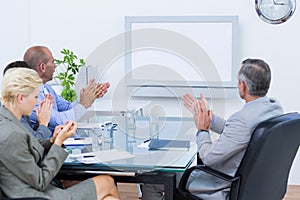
pixel 16 64
pixel 256 74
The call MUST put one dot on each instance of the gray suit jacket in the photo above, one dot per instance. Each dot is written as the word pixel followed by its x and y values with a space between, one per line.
pixel 226 153
pixel 25 168
pixel 41 132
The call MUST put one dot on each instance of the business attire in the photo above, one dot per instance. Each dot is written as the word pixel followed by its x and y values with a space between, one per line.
pixel 27 166
pixel 62 110
pixel 39 131
pixel 226 153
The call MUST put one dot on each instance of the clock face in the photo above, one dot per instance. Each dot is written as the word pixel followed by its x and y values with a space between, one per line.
pixel 275 11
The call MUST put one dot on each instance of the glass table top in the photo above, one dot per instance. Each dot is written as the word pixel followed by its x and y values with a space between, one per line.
pixel 127 138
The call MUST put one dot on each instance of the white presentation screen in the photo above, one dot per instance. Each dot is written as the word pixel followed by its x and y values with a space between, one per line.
pixel 181 51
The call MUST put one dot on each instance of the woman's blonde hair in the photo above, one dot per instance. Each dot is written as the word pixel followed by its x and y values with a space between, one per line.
pixel 18 81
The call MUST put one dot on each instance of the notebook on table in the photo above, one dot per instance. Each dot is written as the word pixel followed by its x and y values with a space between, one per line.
pixel 165 144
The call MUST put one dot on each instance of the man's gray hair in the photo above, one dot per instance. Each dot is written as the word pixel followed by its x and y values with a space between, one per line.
pixel 256 74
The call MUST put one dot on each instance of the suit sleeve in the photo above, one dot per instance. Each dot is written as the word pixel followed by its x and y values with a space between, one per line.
pixel 218 124
pixel 18 157
pixel 46 144
pixel 234 138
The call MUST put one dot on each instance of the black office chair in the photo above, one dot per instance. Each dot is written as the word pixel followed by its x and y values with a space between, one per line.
pixel 264 170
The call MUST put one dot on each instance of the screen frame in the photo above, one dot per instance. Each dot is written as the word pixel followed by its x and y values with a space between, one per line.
pixel 223 89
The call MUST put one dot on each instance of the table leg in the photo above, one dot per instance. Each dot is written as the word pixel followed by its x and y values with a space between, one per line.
pixel 170 187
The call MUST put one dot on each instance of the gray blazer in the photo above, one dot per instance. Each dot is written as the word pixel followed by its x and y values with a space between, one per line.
pixel 41 132
pixel 226 153
pixel 26 165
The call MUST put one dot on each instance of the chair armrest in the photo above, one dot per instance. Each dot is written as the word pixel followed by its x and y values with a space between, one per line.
pixel 216 173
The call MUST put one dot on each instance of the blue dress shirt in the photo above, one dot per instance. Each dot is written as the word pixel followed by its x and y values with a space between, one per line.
pixel 62 110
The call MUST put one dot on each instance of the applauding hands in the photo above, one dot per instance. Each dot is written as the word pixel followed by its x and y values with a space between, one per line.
pixel 63 132
pixel 199 108
pixel 43 111
pixel 91 92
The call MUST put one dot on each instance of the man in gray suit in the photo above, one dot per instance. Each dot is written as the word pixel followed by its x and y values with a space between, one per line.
pixel 226 153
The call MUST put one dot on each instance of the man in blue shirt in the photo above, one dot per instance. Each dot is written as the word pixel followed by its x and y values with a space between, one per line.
pixel 41 59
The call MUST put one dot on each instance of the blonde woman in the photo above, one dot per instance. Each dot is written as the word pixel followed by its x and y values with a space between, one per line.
pixel 27 165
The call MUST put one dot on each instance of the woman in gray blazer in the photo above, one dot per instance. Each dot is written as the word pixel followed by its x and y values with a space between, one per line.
pixel 26 165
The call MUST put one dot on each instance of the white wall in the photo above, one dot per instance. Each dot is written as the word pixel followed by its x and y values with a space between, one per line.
pixel 83 26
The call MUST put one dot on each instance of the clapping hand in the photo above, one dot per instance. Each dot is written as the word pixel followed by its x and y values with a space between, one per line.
pixel 189 101
pixel 63 132
pixel 102 89
pixel 49 97
pixel 91 92
pixel 43 111
pixel 199 108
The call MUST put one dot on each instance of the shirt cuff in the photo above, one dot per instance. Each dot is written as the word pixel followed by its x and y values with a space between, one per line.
pixel 201 131
pixel 75 102
pixel 79 111
pixel 213 122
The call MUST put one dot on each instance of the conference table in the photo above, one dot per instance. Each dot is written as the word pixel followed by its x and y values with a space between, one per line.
pixel 122 151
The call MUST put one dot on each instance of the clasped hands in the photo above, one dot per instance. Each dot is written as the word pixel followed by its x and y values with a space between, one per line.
pixel 91 92
pixel 63 132
pixel 199 108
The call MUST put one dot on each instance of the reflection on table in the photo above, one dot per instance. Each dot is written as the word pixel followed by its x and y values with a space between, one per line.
pixel 121 135
pixel 124 134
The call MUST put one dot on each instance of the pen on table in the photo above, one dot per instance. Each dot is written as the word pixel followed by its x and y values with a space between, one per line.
pixel 147 140
pixel 78 156
pixel 89 156
pixel 79 138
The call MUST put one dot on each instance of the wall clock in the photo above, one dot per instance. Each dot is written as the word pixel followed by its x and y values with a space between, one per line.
pixel 275 11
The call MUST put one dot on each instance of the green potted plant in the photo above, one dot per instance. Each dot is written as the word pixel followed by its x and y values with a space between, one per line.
pixel 69 67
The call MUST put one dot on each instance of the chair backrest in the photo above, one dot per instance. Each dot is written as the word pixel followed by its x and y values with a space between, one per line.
pixel 265 168
pixel 1 195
